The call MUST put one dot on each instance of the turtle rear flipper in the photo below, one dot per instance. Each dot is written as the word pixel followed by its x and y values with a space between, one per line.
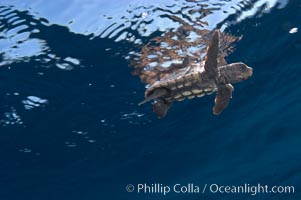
pixel 223 95
pixel 161 107
pixel 211 57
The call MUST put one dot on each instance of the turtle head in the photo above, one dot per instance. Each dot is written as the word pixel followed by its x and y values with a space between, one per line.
pixel 235 72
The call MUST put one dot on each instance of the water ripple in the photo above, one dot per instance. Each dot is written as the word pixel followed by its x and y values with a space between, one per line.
pixel 23 23
pixel 21 40
pixel 11 118
pixel 33 102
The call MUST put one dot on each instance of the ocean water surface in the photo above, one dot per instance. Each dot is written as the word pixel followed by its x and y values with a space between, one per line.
pixel 70 126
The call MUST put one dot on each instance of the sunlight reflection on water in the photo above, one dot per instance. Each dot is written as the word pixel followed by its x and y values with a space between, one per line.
pixel 128 21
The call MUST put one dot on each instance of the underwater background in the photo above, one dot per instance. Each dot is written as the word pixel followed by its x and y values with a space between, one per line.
pixel 70 126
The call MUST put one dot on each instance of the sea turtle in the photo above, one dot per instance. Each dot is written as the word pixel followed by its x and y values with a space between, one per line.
pixel 197 80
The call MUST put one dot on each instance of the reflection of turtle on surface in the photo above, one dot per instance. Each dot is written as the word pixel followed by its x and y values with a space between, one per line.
pixel 195 79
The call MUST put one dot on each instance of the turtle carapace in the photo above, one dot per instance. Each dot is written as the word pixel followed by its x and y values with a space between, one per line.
pixel 196 80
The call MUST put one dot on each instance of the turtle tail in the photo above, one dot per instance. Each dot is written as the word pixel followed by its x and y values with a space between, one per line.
pixel 156 94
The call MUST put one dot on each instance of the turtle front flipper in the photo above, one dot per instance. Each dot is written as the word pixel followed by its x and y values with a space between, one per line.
pixel 211 57
pixel 223 96
pixel 161 107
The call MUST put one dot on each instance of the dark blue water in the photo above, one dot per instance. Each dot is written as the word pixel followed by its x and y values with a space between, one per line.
pixel 70 127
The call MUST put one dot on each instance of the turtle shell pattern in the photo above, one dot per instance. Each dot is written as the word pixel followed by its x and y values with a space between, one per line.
pixel 186 83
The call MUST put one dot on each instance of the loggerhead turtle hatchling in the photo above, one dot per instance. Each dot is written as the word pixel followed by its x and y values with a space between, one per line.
pixel 197 80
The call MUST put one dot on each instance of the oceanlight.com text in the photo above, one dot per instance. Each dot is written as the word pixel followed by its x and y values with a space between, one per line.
pixel 192 188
